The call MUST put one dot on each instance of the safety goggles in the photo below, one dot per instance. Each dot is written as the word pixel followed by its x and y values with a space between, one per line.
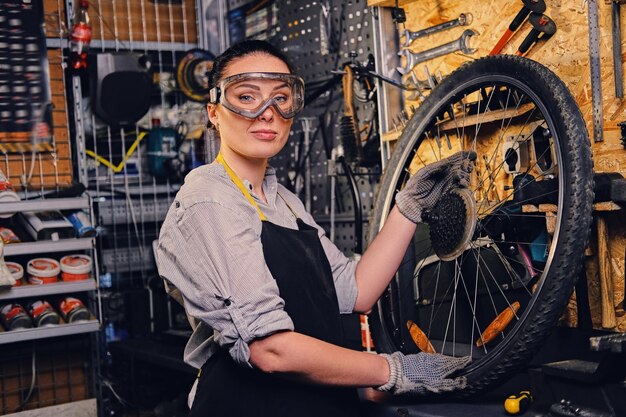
pixel 251 93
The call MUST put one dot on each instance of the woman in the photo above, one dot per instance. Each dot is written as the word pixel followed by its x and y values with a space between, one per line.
pixel 253 266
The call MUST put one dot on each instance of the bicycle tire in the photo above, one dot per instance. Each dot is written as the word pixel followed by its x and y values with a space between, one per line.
pixel 572 169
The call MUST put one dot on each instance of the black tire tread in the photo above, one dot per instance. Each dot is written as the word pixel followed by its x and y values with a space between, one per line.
pixel 575 221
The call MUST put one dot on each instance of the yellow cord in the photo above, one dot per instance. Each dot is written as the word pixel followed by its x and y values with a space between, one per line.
pixel 233 176
pixel 118 168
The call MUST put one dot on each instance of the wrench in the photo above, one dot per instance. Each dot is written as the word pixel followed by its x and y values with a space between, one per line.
pixel 464 19
pixel 460 44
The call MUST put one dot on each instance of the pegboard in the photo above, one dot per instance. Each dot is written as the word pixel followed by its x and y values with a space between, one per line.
pixel 318 46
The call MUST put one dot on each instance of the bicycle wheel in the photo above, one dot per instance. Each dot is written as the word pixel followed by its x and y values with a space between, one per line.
pixel 492 271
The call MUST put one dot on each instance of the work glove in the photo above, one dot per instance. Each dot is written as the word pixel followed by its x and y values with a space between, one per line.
pixel 429 184
pixel 422 373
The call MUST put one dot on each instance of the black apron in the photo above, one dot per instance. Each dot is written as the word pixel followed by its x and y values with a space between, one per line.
pixel 303 275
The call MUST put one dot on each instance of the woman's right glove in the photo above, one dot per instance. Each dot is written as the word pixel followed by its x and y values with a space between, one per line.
pixel 422 372
pixel 424 189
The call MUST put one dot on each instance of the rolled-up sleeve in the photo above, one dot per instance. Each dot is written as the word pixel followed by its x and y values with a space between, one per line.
pixel 213 255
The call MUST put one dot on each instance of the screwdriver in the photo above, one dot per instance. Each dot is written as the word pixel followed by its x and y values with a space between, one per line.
pixel 518 404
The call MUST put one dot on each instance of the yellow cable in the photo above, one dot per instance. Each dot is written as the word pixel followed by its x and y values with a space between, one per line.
pixel 118 168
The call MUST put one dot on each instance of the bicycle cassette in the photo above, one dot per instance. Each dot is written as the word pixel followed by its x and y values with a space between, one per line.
pixel 452 222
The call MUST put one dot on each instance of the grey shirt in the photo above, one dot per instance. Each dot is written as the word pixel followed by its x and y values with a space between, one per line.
pixel 210 249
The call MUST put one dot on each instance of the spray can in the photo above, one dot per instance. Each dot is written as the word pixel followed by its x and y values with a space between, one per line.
pixel 42 313
pixel 81 223
pixel 13 316
pixel 73 310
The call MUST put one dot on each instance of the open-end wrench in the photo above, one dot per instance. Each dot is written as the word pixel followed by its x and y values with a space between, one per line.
pixel 464 19
pixel 461 44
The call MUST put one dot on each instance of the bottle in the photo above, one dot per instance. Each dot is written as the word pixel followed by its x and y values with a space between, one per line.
pixel 80 36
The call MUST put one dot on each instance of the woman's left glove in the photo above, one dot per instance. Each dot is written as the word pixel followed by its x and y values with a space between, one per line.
pixel 425 188
pixel 422 373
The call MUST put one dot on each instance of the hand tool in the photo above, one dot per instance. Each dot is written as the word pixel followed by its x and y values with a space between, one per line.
pixel 543 28
pixel 537 6
pixel 607 295
pixel 616 22
pixel 518 404
pixel 594 62
pixel 461 44
pixel 464 19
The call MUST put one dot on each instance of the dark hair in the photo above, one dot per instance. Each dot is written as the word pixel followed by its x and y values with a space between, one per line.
pixel 239 50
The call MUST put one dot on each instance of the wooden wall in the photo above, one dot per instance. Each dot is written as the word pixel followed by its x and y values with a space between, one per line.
pixel 567 54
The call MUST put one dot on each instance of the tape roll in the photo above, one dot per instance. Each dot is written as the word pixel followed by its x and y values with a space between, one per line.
pixel 192 74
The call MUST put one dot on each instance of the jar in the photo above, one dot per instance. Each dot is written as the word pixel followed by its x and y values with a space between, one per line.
pixel 43 314
pixel 73 310
pixel 43 271
pixel 17 272
pixel 13 316
pixel 75 267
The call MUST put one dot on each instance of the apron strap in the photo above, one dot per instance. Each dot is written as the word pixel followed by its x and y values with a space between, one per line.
pixel 233 176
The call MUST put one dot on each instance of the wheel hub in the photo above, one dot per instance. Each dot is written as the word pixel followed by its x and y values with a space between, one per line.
pixel 452 222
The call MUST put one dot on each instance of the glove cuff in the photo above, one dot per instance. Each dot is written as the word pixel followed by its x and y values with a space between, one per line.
pixel 408 207
pixel 394 373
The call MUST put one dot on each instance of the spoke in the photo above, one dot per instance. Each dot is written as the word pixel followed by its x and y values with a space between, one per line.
pixel 493 89
pixel 493 173
pixel 472 304
pixel 430 143
pixel 432 305
pixel 491 209
pixel 497 286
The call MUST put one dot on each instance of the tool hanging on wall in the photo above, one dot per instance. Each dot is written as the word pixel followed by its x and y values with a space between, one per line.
pixel 594 62
pixel 543 29
pixel 192 74
pixel 350 137
pixel 461 44
pixel 536 6
pixel 616 23
pixel 464 19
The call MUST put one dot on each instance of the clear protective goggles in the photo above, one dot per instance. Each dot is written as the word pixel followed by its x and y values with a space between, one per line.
pixel 249 94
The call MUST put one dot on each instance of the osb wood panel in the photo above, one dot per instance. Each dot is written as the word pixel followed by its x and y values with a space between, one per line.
pixel 131 20
pixel 52 168
pixel 567 54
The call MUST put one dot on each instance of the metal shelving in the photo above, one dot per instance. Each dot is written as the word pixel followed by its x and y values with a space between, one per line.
pixel 48 289
pixel 62 245
pixel 21 335
pixel 50 246
pixel 79 203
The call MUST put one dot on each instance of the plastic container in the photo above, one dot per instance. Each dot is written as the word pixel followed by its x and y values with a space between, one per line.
pixel 7 193
pixel 13 316
pixel 43 271
pixel 17 271
pixel 73 310
pixel 43 314
pixel 75 267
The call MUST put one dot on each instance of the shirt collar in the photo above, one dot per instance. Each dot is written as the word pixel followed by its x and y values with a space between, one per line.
pixel 270 186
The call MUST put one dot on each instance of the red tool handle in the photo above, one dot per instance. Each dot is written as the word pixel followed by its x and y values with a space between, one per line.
pixel 503 40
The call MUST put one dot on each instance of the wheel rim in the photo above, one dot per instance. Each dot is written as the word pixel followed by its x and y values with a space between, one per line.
pixel 529 115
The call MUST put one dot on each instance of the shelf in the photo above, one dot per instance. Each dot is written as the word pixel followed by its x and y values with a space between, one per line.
pixel 77 203
pixel 136 46
pixel 61 245
pixel 21 335
pixel 47 289
pixel 387 3
pixel 461 120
